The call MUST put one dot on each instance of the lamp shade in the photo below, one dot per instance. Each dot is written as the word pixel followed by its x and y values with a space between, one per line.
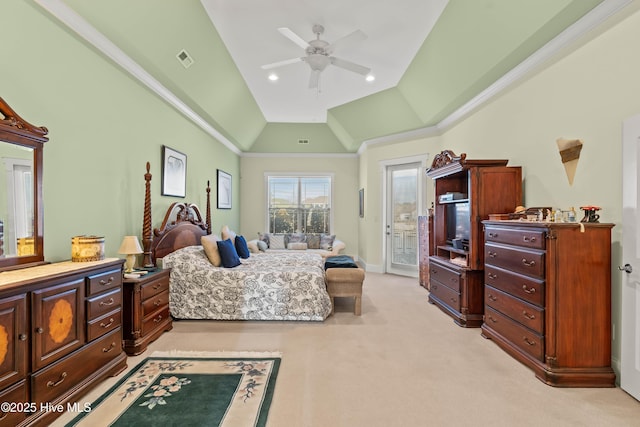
pixel 130 245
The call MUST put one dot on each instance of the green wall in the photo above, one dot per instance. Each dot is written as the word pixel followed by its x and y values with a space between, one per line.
pixel 585 95
pixel 103 127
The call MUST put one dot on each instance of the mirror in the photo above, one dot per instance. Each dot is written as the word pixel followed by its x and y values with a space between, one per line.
pixel 21 216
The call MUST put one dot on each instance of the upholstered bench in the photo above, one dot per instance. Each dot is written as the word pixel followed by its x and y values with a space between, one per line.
pixel 345 282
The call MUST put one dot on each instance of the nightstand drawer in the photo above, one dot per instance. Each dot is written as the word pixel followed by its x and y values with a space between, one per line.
pixel 524 261
pixel 104 281
pixel 103 303
pixel 152 321
pixel 527 238
pixel 154 303
pixel 100 326
pixel 154 287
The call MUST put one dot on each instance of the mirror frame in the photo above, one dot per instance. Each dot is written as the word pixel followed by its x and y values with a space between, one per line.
pixel 15 130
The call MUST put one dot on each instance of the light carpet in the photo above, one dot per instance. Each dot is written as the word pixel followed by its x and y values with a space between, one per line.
pixel 180 388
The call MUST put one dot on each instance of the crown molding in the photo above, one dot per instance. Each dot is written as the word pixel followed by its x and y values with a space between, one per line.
pixel 569 37
pixel 80 26
pixel 300 155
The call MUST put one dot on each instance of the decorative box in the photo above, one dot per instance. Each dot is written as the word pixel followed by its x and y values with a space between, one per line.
pixel 25 246
pixel 87 248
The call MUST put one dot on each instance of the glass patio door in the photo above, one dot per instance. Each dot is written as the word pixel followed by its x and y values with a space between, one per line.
pixel 402 219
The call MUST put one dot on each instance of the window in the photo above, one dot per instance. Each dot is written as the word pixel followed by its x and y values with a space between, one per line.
pixel 299 204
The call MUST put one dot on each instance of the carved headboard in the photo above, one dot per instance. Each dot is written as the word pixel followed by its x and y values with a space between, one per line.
pixel 182 226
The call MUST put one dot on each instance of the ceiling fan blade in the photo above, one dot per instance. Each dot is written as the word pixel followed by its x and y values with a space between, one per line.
pixel 293 37
pixel 281 63
pixel 314 79
pixel 347 65
pixel 349 39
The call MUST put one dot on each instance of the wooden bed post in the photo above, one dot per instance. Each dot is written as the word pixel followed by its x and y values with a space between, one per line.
pixel 147 261
pixel 208 217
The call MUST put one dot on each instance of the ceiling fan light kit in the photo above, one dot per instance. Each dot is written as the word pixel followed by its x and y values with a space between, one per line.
pixel 318 54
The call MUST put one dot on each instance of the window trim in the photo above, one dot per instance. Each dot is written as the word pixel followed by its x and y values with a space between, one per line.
pixel 267 175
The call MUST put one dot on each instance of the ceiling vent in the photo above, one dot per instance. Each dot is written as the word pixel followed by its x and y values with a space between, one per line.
pixel 185 59
pixel 303 141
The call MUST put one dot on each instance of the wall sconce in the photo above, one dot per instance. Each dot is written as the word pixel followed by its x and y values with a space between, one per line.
pixel 130 247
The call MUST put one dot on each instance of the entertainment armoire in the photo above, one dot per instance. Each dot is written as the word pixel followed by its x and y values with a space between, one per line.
pixel 456 268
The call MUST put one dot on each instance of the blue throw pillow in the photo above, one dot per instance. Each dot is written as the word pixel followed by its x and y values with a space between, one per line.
pixel 241 247
pixel 228 253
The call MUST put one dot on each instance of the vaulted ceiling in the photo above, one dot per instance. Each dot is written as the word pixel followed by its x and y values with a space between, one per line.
pixel 430 59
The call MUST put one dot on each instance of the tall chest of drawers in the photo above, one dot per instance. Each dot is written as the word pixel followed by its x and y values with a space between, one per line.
pixel 548 298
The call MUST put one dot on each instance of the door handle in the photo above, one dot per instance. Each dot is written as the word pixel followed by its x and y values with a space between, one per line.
pixel 627 268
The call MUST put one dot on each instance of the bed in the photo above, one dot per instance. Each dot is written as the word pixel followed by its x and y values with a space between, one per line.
pixel 266 286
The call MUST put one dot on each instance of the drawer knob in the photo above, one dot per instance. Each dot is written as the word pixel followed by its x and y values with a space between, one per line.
pixel 453 299
pixel 22 337
pixel 106 325
pixel 492 254
pixel 528 239
pixel 57 383
pixel 492 319
pixel 108 349
pixel 110 301
pixel 158 319
pixel 528 290
pixel 434 287
pixel 157 286
pixel 108 281
pixel 528 341
pixel 492 298
pixel 528 263
pixel 157 303
pixel 528 316
pixel 493 235
pixel 39 330
pixel 492 276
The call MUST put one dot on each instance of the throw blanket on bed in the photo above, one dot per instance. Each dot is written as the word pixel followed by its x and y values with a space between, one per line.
pixel 278 286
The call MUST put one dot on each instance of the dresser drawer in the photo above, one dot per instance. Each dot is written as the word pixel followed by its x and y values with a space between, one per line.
pixel 17 396
pixel 151 322
pixel 100 326
pixel 154 303
pixel 103 281
pixel 524 339
pixel 154 287
pixel 52 382
pixel 103 303
pixel 445 276
pixel 533 238
pixel 522 312
pixel 446 295
pixel 525 261
pixel 526 288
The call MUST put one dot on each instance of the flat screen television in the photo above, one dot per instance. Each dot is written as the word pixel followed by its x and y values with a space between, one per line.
pixel 458 221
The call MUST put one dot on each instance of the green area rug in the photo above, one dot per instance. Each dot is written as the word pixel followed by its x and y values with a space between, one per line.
pixel 189 389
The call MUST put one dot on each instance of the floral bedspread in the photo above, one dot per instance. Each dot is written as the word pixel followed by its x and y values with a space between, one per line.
pixel 267 286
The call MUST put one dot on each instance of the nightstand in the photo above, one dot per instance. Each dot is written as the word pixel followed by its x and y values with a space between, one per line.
pixel 146 310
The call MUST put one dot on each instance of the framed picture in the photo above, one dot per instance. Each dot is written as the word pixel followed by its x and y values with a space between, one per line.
pixel 361 202
pixel 224 190
pixel 174 172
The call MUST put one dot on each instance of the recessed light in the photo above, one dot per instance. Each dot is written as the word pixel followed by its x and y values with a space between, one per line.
pixel 273 77
pixel 370 78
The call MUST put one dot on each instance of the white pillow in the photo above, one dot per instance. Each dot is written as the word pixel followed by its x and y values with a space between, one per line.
pixel 297 245
pixel 253 246
pixel 276 241
pixel 226 233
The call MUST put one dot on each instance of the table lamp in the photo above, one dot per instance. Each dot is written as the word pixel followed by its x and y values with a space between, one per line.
pixel 130 247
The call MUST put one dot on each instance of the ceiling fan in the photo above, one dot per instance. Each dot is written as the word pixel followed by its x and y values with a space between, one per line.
pixel 319 53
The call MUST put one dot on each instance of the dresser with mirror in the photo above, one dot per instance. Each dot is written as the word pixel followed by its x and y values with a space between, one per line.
pixel 60 323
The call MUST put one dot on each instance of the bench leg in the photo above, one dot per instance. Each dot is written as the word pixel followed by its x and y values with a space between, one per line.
pixel 357 310
pixel 333 304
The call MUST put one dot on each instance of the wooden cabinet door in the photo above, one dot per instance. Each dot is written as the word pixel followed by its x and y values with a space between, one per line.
pixel 13 339
pixel 58 321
